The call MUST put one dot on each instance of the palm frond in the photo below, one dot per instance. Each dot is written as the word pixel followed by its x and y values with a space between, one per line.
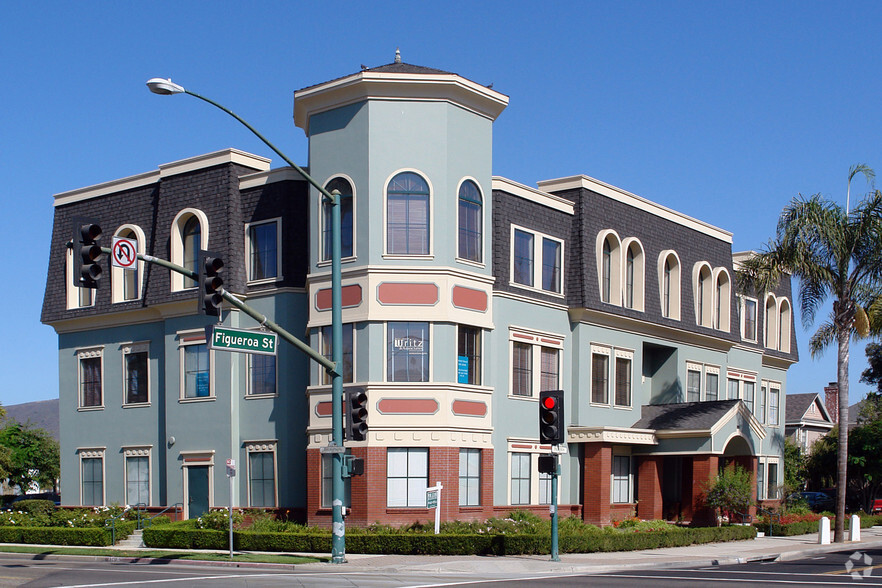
pixel 823 337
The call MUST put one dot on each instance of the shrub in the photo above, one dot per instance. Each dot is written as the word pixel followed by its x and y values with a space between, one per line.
pixel 219 520
pixel 731 491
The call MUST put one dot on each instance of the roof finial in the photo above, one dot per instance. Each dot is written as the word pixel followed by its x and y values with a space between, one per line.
pixel 397 55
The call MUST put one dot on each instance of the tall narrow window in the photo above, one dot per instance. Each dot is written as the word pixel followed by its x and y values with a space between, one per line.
pixel 761 481
pixel 761 413
pixel 748 322
pixel 93 481
pixel 407 201
pixel 544 488
pixel 469 477
pixel 407 475
pixel 197 382
pixel 749 391
pixel 90 382
pixel 522 369
pixel 261 374
pixel 138 480
pixel 666 289
pixel 328 483
pixel 348 352
pixel 131 277
pixel 711 386
pixel 548 379
pixel 774 394
pixel 468 356
pixel 733 389
pixel 772 492
pixel 771 320
pixel 262 478
pixel 623 381
pixel 408 352
pixel 600 378
pixel 621 479
pixel 551 264
pixel 192 241
pixel 520 478
pixel 693 386
pixel 704 297
pixel 346 219
pixel 629 278
pixel 606 272
pixel 136 366
pixel 263 240
pixel 523 257
pixel 784 326
pixel 470 222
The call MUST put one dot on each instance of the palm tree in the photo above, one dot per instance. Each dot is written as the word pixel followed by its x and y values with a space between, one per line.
pixel 835 254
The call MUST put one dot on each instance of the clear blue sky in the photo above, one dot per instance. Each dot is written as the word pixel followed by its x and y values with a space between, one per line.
pixel 721 110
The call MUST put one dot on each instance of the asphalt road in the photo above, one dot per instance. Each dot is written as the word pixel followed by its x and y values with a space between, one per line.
pixel 844 568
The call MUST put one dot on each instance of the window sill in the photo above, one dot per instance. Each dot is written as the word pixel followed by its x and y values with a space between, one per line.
pixel 327 262
pixel 407 509
pixel 538 290
pixel 405 257
pixel 260 396
pixel 89 408
pixel 477 264
pixel 600 404
pixel 265 281
pixel 471 508
pixel 622 407
pixel 523 397
pixel 199 399
pixel 136 404
pixel 124 301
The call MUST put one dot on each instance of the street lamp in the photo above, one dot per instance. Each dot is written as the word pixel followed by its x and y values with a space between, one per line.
pixel 166 87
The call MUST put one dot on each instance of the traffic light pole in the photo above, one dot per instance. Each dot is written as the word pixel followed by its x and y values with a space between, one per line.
pixel 554 475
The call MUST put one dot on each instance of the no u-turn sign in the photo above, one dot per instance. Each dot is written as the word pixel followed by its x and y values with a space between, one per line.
pixel 124 253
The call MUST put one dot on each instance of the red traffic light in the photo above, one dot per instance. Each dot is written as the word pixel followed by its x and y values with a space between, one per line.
pixel 549 402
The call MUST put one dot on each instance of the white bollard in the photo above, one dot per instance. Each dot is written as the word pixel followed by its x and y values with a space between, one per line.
pixel 855 529
pixel 824 531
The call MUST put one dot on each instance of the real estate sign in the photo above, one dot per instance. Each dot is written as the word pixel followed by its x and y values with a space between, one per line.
pixel 229 339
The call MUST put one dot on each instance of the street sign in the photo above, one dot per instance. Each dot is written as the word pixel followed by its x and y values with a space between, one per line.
pixel 332 449
pixel 229 339
pixel 231 468
pixel 124 253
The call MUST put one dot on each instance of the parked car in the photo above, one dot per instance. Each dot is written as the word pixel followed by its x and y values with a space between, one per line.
pixel 53 496
pixel 817 501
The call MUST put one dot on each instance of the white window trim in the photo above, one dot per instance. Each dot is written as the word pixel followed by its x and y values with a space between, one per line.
pixel 772 385
pixel 138 451
pixel 703 369
pixel 706 318
pixel 537 261
pixel 460 477
pixel 126 349
pixel 187 339
pixel 249 384
pixel 782 333
pixel 117 274
pixel 770 461
pixel 676 280
pixel 386 253
pixel 481 339
pixel 741 377
pixel 472 262
pixel 431 376
pixel 612 353
pixel 628 354
pixel 408 477
pixel 73 292
pixel 89 353
pixel 268 446
pixel 620 451
pixel 321 216
pixel 535 451
pixel 770 327
pixel 320 371
pixel 639 273
pixel 725 318
pixel 93 453
pixel 249 250
pixel 742 313
pixel 208 461
pixel 616 264
pixel 177 243
pixel 537 340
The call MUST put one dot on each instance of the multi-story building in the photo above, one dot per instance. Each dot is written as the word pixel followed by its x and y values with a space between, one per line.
pixel 464 296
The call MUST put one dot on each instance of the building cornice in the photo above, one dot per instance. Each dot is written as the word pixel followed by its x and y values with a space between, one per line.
pixel 620 195
pixel 601 434
pixel 165 170
pixel 533 195
pixel 411 87
pixel 262 178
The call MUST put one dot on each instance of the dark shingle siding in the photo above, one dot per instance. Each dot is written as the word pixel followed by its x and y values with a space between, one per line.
pixel 214 191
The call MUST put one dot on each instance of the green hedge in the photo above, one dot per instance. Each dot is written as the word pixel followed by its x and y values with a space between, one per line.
pixel 179 537
pixel 91 536
pixel 809 527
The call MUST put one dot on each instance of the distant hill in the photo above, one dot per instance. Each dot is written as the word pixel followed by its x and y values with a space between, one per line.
pixel 42 415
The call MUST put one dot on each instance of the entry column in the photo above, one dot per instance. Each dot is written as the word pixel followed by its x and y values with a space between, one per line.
pixel 596 472
pixel 649 492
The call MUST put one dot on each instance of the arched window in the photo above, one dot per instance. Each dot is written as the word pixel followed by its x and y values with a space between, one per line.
pixel 609 267
pixel 407 215
pixel 189 235
pixel 722 302
pixel 346 219
pixel 669 284
pixel 633 287
pixel 784 318
pixel 126 283
pixel 470 222
pixel 771 322
pixel 704 296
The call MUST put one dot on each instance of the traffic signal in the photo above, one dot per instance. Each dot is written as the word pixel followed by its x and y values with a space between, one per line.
pixel 86 233
pixel 356 409
pixel 210 283
pixel 352 466
pixel 551 417
pixel 547 464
